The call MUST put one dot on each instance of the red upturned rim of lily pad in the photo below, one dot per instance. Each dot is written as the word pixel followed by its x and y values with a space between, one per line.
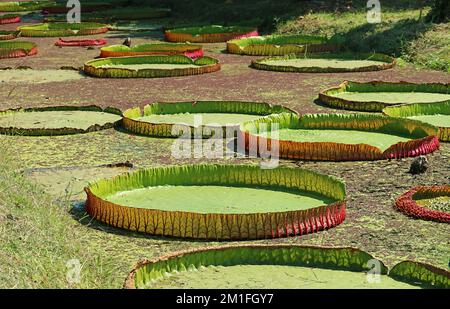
pixel 82 42
pixel 407 203
pixel 10 19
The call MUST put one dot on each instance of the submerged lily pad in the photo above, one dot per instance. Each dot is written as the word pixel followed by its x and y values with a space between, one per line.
pixel 57 120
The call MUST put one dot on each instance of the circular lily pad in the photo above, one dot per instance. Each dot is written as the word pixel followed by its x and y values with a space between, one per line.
pixel 150 66
pixel 209 34
pixel 188 50
pixel 289 266
pixel 428 203
pixel 62 29
pixel 219 201
pixel 15 49
pixel 8 35
pixel 376 95
pixel 9 19
pixel 61 120
pixel 325 63
pixel 337 137
pixel 436 114
pixel 280 45
pixel 92 42
pixel 173 119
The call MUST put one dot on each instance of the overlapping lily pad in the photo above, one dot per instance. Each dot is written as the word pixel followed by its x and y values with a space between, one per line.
pixel 376 95
pixel 150 66
pixel 223 202
pixel 436 114
pixel 58 120
pixel 173 119
pixel 15 49
pixel 209 34
pixel 428 203
pixel 8 35
pixel 9 19
pixel 280 45
pixel 338 137
pixel 325 63
pixel 62 29
pixel 290 266
pixel 188 50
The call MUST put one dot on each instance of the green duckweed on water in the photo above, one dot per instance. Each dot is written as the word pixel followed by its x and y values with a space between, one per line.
pixel 218 199
pixel 285 277
pixel 441 203
pixel 393 97
pixel 380 140
pixel 323 63
pixel 206 118
pixel 436 120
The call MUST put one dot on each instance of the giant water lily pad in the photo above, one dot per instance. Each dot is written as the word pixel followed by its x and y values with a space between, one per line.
pixel 279 45
pixel 62 29
pixel 436 114
pixel 290 266
pixel 376 95
pixel 219 201
pixel 8 35
pixel 325 63
pixel 57 120
pixel 174 119
pixel 9 19
pixel 209 34
pixel 429 203
pixel 150 66
pixel 335 137
pixel 189 50
pixel 15 49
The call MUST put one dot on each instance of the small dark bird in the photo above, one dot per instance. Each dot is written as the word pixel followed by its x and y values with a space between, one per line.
pixel 419 165
pixel 127 42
